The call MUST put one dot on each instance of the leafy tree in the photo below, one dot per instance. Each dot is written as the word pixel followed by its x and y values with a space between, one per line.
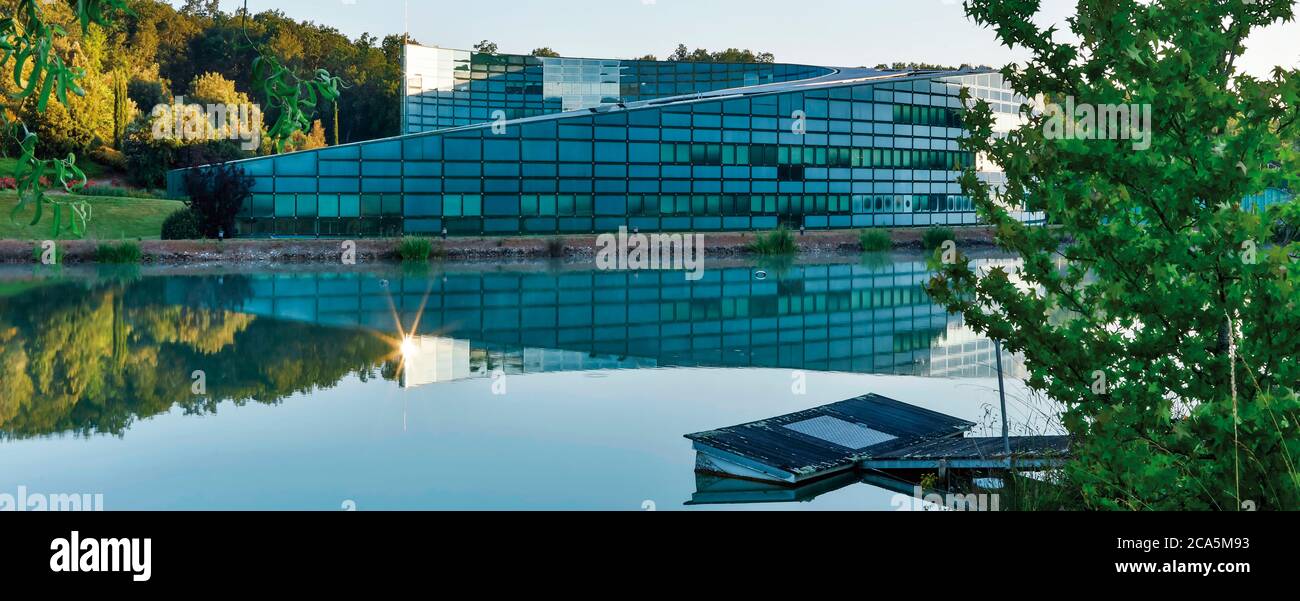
pixel 1155 309
pixel 147 94
pixel 214 88
pixel 123 111
pixel 910 66
pixel 730 55
pixel 216 194
pixel 486 47
pixel 546 51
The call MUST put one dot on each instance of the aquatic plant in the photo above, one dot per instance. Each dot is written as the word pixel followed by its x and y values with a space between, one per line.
pixel 875 240
pixel 182 225
pixel 414 249
pixel 935 237
pixel 779 241
pixel 121 252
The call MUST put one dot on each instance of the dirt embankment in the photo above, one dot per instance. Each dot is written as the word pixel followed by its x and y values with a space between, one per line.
pixel 276 251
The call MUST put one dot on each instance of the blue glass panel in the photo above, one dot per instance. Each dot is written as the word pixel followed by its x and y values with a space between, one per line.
pixel 329 205
pixel 339 168
pixel 285 205
pixel 462 149
pixel 303 163
pixel 295 184
pixel 391 150
pixel 500 150
pixel 381 169
pixel 575 151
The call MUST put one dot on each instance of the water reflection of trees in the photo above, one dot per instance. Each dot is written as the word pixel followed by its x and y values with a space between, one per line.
pixel 92 359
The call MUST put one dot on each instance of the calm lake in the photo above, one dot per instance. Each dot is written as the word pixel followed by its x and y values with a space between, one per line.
pixel 524 386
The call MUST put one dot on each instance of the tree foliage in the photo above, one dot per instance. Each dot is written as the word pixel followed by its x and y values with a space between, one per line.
pixel 730 55
pixel 216 193
pixel 30 42
pixel 1161 313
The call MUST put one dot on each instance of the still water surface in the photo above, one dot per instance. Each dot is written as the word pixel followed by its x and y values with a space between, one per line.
pixel 528 386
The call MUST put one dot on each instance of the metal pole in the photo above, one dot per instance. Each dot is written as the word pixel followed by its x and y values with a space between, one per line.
pixel 1002 395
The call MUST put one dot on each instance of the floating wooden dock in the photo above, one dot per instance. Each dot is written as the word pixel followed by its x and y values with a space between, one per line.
pixel 870 432
pixel 821 441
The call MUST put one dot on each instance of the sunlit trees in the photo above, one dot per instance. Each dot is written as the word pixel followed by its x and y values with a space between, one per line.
pixel 1162 314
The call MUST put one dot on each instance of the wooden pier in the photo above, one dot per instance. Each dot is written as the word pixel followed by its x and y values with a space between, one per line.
pixel 973 453
pixel 870 432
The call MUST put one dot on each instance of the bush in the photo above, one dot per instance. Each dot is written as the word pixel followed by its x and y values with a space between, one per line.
pixel 779 241
pixel 875 241
pixel 122 252
pixel 936 236
pixel 110 157
pixel 414 249
pixel 148 160
pixel 181 225
pixel 117 192
pixel 216 194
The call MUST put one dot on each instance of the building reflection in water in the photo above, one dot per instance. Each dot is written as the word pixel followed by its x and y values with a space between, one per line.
pixel 434 359
pixel 92 356
pixel 840 317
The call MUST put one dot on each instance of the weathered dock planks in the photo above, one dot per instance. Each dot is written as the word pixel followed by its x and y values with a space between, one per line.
pixel 973 453
pixel 870 432
pixel 817 442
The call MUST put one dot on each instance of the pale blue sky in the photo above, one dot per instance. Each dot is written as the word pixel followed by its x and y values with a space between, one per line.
pixel 825 32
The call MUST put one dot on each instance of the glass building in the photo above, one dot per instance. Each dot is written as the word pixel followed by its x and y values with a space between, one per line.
pixel 452 88
pixel 591 146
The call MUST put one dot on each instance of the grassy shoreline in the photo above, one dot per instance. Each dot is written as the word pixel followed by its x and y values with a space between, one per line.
pixel 112 218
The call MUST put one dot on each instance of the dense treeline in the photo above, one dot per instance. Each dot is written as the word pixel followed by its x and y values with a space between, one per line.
pixel 157 54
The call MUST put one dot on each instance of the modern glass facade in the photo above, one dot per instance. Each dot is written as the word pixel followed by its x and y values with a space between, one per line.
pixel 451 88
pixel 855 148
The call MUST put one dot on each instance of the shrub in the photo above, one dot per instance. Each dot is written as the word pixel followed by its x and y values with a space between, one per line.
pixel 93 189
pixel 216 194
pixel 779 241
pixel 147 159
pixel 875 241
pixel 414 249
pixel 122 252
pixel 110 157
pixel 181 225
pixel 935 237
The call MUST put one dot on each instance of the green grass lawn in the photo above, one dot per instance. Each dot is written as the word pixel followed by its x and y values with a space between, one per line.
pixel 111 218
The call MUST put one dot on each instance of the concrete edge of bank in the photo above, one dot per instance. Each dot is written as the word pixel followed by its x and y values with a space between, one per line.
pixel 294 250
